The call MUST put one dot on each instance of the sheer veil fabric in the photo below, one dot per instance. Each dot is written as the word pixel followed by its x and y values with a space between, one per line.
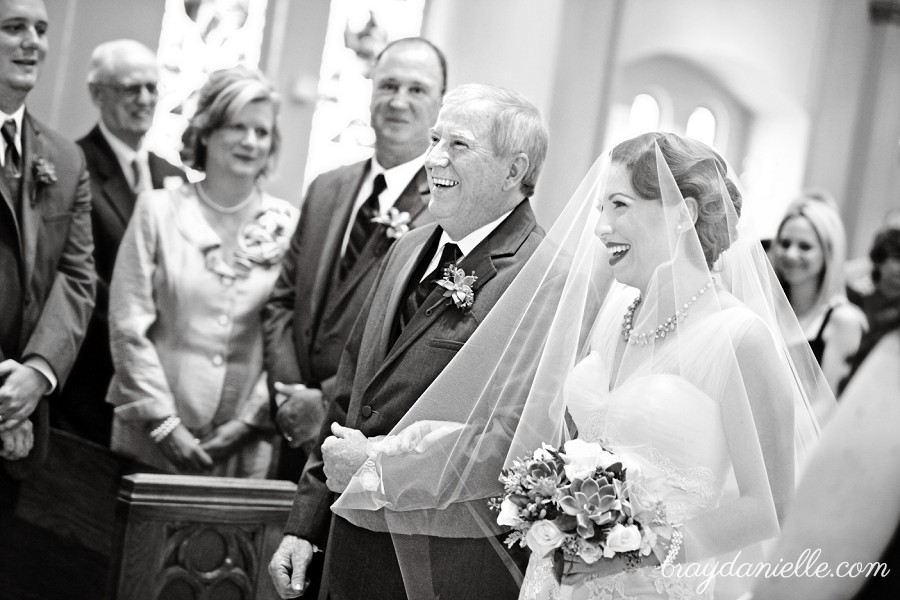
pixel 718 411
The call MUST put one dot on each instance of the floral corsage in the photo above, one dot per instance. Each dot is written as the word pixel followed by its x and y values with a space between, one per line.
pixel 44 171
pixel 458 287
pixel 395 222
pixel 264 240
pixel 579 501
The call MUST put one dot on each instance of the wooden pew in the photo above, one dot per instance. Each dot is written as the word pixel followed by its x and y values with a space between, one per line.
pixel 93 524
pixel 182 536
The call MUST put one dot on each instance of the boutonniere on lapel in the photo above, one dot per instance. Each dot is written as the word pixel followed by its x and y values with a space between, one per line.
pixel 44 171
pixel 458 287
pixel 396 223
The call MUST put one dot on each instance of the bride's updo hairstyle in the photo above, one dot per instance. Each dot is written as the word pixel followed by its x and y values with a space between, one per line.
pixel 698 171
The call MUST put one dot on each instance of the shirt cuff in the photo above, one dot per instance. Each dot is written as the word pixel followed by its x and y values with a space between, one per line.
pixel 43 367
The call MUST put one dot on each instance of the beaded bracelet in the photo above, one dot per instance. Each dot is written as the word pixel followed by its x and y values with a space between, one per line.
pixel 674 546
pixel 163 430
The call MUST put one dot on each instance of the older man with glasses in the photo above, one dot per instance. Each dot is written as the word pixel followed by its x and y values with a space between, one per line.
pixel 122 80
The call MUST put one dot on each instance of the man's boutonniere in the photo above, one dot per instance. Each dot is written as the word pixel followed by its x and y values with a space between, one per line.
pixel 458 286
pixel 396 223
pixel 44 171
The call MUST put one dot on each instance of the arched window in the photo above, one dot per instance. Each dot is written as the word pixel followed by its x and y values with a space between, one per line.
pixel 644 115
pixel 701 126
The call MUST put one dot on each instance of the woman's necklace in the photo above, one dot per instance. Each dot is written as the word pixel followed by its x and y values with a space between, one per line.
pixel 225 210
pixel 644 338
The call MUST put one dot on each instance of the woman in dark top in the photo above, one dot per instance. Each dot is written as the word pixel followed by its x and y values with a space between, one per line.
pixel 881 304
pixel 808 256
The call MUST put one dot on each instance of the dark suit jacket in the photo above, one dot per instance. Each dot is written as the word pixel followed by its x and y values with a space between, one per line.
pixel 83 401
pixel 378 382
pixel 310 313
pixel 57 252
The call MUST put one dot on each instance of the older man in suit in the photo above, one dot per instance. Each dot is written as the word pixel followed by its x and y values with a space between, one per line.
pixel 488 146
pixel 337 247
pixel 47 275
pixel 122 81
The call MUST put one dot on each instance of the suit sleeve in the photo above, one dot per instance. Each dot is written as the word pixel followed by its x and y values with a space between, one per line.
pixel 279 351
pixel 144 392
pixel 311 512
pixel 60 329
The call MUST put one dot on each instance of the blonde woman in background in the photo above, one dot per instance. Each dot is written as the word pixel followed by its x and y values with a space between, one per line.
pixel 808 256
pixel 195 266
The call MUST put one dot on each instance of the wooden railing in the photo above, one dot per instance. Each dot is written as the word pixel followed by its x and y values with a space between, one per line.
pixel 92 525
pixel 198 537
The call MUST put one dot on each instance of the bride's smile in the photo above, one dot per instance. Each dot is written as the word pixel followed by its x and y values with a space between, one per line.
pixel 633 230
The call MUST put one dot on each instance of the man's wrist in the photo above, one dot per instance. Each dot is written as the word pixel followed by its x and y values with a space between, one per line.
pixel 45 371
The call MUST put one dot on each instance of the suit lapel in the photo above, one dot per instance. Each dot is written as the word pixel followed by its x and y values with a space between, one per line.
pixel 32 149
pixel 503 241
pixel 331 250
pixel 116 191
pixel 413 200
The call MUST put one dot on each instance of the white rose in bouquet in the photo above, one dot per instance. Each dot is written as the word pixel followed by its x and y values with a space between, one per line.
pixel 543 538
pixel 585 457
pixel 509 514
pixel 622 538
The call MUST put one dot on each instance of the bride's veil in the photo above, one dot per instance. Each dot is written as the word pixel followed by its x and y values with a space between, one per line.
pixel 507 390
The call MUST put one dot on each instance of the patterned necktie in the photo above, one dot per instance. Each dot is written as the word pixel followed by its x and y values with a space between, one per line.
pixel 362 226
pixel 136 176
pixel 11 161
pixel 420 292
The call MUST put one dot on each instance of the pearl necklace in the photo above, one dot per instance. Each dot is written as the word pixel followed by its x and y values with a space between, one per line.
pixel 644 338
pixel 225 210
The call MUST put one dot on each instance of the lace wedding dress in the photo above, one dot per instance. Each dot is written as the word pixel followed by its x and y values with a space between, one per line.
pixel 659 419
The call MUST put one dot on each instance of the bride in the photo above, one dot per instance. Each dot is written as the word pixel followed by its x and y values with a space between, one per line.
pixel 649 321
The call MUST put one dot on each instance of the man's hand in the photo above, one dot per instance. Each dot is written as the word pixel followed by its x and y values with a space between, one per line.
pixel 226 439
pixel 300 413
pixel 22 389
pixel 185 452
pixel 343 454
pixel 288 566
pixel 18 442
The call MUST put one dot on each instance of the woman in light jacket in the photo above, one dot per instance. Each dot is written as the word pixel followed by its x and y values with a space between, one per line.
pixel 193 270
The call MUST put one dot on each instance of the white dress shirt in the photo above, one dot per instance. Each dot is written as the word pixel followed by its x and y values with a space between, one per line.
pixel 466 244
pixel 396 179
pixel 125 154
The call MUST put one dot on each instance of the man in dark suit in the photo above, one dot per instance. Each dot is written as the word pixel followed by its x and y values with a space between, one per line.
pixel 337 248
pixel 47 278
pixel 122 80
pixel 488 146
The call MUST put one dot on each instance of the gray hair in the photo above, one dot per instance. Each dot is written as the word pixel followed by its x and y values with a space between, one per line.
pixel 109 54
pixel 517 127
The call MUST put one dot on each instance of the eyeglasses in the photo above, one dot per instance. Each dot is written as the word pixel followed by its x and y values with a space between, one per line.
pixel 133 90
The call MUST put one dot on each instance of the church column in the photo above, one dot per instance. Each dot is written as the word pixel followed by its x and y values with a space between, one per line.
pixel 874 183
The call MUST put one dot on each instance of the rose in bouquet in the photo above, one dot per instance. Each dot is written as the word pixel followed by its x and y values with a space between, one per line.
pixel 578 502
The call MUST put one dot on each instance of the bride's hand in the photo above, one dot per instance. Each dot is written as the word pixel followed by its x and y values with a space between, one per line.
pixel 418 437
pixel 575 571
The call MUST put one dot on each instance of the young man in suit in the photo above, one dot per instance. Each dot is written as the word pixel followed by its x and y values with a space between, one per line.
pixel 337 249
pixel 122 79
pixel 488 146
pixel 47 278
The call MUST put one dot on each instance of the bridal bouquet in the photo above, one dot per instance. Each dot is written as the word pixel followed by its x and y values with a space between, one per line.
pixel 579 501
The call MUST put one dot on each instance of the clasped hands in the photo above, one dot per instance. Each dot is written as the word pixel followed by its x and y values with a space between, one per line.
pixel 300 412
pixel 20 393
pixel 197 456
pixel 344 452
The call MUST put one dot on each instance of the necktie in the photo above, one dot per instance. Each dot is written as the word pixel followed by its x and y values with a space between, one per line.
pixel 136 176
pixel 11 158
pixel 10 273
pixel 362 226
pixel 420 292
